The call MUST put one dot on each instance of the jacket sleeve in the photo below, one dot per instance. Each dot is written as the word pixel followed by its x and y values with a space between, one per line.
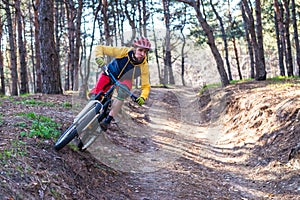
pixel 116 52
pixel 145 85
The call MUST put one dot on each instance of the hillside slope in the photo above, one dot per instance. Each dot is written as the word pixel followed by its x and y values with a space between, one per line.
pixel 228 143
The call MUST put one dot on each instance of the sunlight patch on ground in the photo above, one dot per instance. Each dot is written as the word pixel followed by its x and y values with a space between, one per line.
pixel 123 159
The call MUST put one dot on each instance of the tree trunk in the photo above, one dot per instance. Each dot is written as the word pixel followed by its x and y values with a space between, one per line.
pixel 182 57
pixel 211 41
pixel 106 22
pixel 146 16
pixel 38 83
pixel 169 77
pixel 70 7
pixel 237 58
pixel 12 51
pixel 77 44
pixel 224 37
pixel 261 73
pixel 289 58
pixel 31 76
pixel 249 43
pixel 259 63
pixel 156 51
pixel 22 50
pixel 280 15
pixel 278 28
pixel 59 26
pixel 296 35
pixel 139 18
pixel 51 83
pixel 85 72
pixel 183 47
pixel 121 20
pixel 131 19
pixel 2 81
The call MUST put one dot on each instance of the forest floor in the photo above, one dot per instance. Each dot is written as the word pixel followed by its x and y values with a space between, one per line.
pixel 227 143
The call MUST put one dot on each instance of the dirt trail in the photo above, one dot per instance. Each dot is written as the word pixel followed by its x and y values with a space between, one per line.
pixel 186 158
pixel 175 132
pixel 230 143
pixel 187 176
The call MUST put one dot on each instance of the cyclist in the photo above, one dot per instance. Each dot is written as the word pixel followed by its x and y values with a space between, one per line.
pixel 127 64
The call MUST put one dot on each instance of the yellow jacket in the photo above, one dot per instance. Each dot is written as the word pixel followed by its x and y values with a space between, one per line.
pixel 123 62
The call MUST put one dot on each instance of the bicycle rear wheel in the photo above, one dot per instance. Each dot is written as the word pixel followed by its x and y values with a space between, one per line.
pixel 89 134
pixel 66 137
pixel 87 140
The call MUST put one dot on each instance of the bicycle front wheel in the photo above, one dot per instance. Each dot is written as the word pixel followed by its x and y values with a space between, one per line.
pixel 66 137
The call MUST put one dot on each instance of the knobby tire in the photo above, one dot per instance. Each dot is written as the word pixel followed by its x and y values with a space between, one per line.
pixel 66 137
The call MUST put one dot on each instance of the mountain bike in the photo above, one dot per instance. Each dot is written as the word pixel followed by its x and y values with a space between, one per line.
pixel 85 126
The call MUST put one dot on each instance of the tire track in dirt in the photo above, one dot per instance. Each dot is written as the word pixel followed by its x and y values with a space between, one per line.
pixel 181 157
pixel 175 129
pixel 197 170
pixel 174 124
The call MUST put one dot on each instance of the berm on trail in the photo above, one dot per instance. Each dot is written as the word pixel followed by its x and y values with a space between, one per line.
pixel 226 143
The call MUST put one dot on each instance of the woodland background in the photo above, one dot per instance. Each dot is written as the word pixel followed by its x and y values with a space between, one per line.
pixel 236 142
pixel 46 45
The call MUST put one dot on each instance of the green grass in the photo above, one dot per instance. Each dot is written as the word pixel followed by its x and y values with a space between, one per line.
pixel 209 86
pixel 66 105
pixel 35 103
pixel 240 81
pixel 25 95
pixel 284 81
pixel 283 78
pixel 1 119
pixel 20 124
pixel 41 126
pixel 15 149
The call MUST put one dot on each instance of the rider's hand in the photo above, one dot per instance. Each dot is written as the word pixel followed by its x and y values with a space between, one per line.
pixel 140 101
pixel 100 61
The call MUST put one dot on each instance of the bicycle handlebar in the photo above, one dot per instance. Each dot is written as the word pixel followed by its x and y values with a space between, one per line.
pixel 117 83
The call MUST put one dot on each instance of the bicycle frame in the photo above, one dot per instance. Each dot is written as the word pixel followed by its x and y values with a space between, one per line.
pixel 85 126
pixel 91 116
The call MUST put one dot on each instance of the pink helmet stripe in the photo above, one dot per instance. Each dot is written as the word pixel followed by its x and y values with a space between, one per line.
pixel 142 42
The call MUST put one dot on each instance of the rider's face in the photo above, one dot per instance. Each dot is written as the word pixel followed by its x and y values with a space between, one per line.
pixel 140 53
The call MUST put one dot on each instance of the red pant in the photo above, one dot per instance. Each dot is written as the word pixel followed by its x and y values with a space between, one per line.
pixel 103 84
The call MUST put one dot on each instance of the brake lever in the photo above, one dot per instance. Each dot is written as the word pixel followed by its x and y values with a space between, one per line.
pixel 133 98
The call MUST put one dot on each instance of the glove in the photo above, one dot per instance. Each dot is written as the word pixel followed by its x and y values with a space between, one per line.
pixel 140 101
pixel 100 61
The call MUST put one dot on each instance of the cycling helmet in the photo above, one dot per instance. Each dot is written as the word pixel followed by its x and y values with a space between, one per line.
pixel 142 42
